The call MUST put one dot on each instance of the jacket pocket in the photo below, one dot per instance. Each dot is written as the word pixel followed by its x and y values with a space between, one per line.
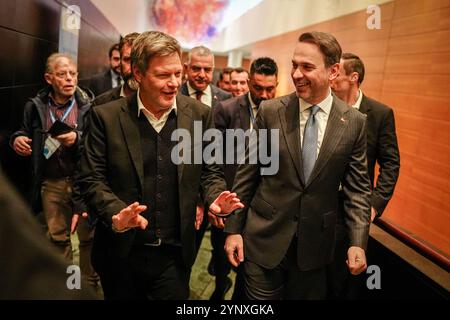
pixel 262 207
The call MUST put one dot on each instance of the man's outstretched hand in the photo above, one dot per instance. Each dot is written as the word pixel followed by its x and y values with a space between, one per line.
pixel 225 204
pixel 130 217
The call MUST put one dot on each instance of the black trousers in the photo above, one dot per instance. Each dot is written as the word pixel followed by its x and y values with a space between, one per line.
pixel 159 273
pixel 221 265
pixel 341 284
pixel 285 282
pixel 148 273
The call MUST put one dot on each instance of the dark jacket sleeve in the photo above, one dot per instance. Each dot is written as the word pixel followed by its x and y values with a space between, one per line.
pixel 388 158
pixel 93 173
pixel 27 122
pixel 357 189
pixel 245 184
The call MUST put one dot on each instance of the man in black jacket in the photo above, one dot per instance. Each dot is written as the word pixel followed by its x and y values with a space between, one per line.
pixel 58 109
pixel 382 148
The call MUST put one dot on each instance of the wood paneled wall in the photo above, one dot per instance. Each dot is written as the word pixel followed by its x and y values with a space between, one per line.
pixel 408 68
pixel 30 33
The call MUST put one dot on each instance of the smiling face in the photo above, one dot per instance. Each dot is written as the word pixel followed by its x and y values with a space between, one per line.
pixel 239 83
pixel 63 78
pixel 160 82
pixel 199 71
pixel 310 75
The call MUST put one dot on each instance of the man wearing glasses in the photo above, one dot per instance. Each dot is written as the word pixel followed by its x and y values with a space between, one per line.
pixel 51 133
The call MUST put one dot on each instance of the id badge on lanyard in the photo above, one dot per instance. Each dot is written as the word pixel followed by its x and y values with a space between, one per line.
pixel 51 144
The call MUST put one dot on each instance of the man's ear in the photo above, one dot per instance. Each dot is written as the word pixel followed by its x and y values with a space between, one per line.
pixel 334 71
pixel 354 76
pixel 137 74
pixel 48 78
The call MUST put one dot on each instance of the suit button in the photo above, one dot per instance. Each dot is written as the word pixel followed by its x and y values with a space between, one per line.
pixel 295 218
pixel 159 177
pixel 158 196
pixel 160 158
pixel 158 233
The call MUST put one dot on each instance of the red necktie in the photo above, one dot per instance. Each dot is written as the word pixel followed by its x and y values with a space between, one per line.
pixel 198 95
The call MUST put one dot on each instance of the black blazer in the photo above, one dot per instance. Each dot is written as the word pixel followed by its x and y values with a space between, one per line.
pixel 100 83
pixel 217 94
pixel 282 205
pixel 382 147
pixel 108 96
pixel 112 174
pixel 232 114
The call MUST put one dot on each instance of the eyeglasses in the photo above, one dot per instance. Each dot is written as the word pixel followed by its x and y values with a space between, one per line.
pixel 63 74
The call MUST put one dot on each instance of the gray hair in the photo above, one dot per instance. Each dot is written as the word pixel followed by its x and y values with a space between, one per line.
pixel 201 51
pixel 53 58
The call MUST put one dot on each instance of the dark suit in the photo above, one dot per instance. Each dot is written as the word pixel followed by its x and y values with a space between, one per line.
pixel 232 114
pixel 108 96
pixel 100 83
pixel 284 212
pixel 382 147
pixel 112 176
pixel 217 94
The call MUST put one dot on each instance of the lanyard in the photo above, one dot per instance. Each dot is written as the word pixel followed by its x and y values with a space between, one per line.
pixel 52 116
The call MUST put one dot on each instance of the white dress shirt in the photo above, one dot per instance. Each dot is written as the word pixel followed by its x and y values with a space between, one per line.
pixel 358 101
pixel 321 116
pixel 116 79
pixel 157 124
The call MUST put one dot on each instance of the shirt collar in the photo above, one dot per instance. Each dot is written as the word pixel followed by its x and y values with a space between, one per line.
pixel 252 103
pixel 142 107
pixel 122 92
pixel 53 102
pixel 358 101
pixel 192 91
pixel 324 105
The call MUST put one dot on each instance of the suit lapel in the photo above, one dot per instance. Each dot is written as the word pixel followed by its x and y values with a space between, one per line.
pixel 244 113
pixel 290 124
pixel 214 97
pixel 184 89
pixel 130 128
pixel 364 107
pixel 336 125
pixel 184 121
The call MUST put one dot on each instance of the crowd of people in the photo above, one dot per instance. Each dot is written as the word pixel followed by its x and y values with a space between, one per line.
pixel 102 164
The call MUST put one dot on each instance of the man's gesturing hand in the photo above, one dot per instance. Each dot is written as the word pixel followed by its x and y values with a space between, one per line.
pixel 130 218
pixel 225 204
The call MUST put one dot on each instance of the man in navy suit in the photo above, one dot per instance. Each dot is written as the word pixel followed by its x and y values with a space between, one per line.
pixel 382 148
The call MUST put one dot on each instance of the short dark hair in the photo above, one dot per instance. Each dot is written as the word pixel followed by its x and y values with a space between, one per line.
pixel 264 65
pixel 327 44
pixel 239 70
pixel 128 39
pixel 352 63
pixel 226 70
pixel 113 47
